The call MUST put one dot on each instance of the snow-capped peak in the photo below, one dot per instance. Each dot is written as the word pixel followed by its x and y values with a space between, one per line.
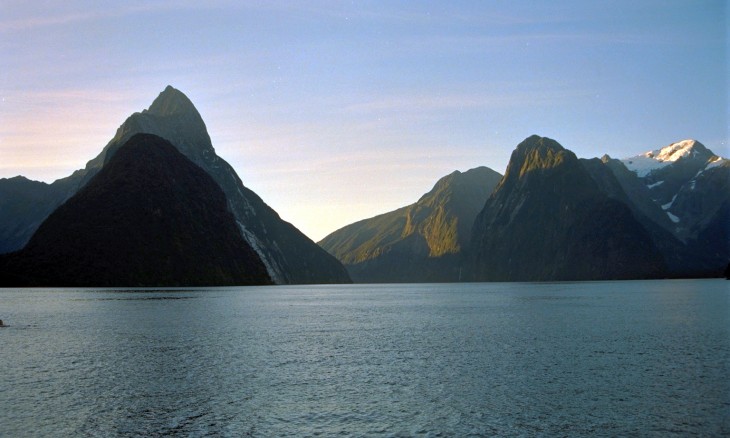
pixel 645 163
pixel 674 151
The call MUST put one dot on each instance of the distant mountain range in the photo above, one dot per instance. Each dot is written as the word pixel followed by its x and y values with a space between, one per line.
pixel 556 217
pixel 158 191
pixel 289 256
pixel 150 217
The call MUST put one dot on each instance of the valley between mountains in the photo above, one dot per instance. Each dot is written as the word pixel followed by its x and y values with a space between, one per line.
pixel 159 207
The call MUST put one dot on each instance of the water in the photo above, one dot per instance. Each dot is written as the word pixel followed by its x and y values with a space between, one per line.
pixel 565 359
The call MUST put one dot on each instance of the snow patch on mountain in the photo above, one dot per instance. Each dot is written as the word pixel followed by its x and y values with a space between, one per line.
pixel 715 162
pixel 668 205
pixel 647 162
pixel 272 267
pixel 656 184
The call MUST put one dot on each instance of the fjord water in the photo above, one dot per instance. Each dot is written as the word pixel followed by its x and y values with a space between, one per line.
pixel 599 358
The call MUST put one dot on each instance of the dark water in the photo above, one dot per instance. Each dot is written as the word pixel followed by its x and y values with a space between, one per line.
pixel 565 359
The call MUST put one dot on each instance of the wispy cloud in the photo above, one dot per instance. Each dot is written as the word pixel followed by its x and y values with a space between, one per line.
pixel 42 21
pixel 454 101
pixel 29 16
pixel 57 97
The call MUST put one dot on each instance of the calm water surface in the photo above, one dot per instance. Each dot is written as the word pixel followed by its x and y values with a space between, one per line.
pixel 566 359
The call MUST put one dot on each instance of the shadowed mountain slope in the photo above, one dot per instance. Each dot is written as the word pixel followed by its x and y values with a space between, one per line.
pixel 150 218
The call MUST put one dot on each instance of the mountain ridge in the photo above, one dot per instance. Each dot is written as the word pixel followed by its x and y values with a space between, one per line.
pixel 623 232
pixel 676 193
pixel 420 242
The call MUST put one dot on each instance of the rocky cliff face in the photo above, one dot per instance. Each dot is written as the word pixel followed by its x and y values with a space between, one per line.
pixel 549 220
pixel 289 256
pixel 150 217
pixel 422 242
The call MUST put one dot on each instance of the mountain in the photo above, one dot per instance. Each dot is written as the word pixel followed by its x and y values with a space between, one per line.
pixel 422 242
pixel 701 198
pixel 665 170
pixel 687 181
pixel 549 220
pixel 149 218
pixel 23 206
pixel 710 248
pixel 631 189
pixel 684 189
pixel 620 184
pixel 289 256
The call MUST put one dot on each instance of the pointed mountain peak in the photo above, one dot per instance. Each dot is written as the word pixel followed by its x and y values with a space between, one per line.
pixel 677 150
pixel 171 116
pixel 171 102
pixel 537 152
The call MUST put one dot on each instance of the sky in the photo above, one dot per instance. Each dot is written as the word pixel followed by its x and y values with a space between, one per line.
pixel 336 111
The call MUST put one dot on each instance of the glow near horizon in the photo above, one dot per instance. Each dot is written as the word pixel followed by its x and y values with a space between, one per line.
pixel 337 111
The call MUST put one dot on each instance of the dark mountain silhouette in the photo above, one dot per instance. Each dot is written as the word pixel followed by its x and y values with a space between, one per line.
pixel 289 256
pixel 629 190
pixel 549 220
pixel 422 242
pixel 150 217
pixel 710 248
pixel 23 206
pixel 700 198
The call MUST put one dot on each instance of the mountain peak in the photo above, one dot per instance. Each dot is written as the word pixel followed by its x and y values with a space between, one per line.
pixel 677 150
pixel 646 163
pixel 171 101
pixel 534 153
pixel 535 142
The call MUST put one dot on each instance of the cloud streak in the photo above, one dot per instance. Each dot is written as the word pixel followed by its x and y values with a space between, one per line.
pixel 31 18
pixel 455 101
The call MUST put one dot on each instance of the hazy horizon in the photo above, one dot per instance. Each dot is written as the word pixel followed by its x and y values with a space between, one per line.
pixel 336 112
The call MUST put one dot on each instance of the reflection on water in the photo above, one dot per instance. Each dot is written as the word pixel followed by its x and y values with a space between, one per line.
pixel 624 358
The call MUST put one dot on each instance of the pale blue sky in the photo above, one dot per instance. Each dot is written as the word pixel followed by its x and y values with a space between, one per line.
pixel 337 111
